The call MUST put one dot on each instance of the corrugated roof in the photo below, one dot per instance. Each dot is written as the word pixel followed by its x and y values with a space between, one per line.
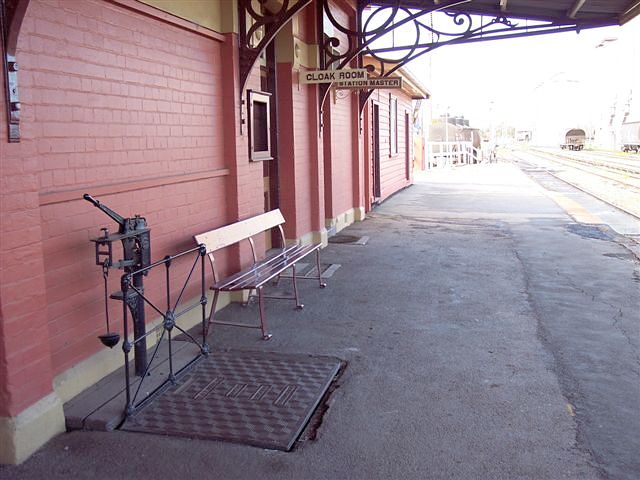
pixel 571 12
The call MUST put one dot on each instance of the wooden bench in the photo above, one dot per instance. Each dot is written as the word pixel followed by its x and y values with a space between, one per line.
pixel 260 272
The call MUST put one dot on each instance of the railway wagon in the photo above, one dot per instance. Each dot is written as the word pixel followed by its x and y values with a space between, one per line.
pixel 630 136
pixel 574 139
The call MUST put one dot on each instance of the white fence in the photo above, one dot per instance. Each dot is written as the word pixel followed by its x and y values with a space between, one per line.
pixel 446 154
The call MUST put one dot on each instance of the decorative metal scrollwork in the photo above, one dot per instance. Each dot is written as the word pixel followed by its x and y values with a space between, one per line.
pixel 393 34
pixel 258 28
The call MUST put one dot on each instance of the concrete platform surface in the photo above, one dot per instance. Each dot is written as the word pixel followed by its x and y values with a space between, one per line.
pixel 487 333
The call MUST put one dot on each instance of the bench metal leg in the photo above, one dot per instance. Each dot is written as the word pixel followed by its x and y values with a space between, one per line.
pixel 212 313
pixel 299 306
pixel 263 322
pixel 249 297
pixel 322 284
pixel 308 276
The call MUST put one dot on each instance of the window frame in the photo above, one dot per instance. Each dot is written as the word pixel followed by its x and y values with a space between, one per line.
pixel 256 96
pixel 393 125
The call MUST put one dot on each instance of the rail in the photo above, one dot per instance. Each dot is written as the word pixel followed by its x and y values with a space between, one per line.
pixel 170 313
pixel 612 186
pixel 624 166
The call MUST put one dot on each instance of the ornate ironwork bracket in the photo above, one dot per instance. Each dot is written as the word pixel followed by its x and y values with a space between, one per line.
pixel 375 23
pixel 11 16
pixel 258 28
pixel 418 32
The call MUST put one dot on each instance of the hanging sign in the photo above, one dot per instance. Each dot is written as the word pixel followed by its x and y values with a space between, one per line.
pixel 382 82
pixel 329 76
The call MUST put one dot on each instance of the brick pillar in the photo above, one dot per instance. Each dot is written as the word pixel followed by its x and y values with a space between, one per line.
pixel 286 149
pixel 244 187
pixel 327 159
pixel 30 413
pixel 358 164
pixel 368 156
pixel 231 108
pixel 317 169
pixel 300 156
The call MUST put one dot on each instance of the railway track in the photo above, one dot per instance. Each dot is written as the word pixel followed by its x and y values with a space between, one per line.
pixel 617 184
pixel 622 172
pixel 627 164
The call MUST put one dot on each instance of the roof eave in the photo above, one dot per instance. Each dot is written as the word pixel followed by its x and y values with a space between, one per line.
pixel 632 12
pixel 420 91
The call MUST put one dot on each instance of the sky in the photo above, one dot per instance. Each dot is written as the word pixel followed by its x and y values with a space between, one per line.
pixel 522 81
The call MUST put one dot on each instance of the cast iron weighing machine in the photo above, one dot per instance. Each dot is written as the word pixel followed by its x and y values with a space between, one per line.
pixel 136 247
pixel 134 235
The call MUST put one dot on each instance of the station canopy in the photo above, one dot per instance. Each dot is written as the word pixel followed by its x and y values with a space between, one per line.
pixel 587 12
pixel 396 32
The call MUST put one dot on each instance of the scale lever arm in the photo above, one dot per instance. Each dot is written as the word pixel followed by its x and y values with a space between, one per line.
pixel 119 219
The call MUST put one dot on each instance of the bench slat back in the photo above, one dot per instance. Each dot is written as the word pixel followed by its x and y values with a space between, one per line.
pixel 230 234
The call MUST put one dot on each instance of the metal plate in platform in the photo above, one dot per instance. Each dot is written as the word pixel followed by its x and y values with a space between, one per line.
pixel 257 398
pixel 349 239
pixel 598 232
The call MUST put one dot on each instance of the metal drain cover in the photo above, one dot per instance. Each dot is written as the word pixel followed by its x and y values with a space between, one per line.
pixel 257 398
pixel 353 239
pixel 598 232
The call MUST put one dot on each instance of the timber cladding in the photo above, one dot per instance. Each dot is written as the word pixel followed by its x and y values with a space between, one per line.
pixel 392 162
pixel 341 154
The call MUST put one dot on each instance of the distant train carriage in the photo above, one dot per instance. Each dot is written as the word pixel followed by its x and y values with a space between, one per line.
pixel 630 137
pixel 574 139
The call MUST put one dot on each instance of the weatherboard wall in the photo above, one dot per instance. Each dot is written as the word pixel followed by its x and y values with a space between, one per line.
pixel 393 167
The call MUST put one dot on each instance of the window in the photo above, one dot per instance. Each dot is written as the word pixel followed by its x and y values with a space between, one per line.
pixel 393 125
pixel 259 126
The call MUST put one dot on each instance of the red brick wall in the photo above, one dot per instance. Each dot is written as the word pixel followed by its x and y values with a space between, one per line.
pixel 127 108
pixel 116 95
pixel 25 361
pixel 130 109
